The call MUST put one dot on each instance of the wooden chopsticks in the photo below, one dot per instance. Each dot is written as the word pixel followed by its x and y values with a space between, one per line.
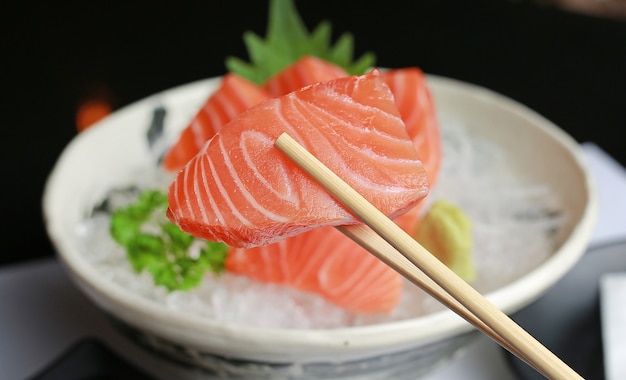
pixel 396 248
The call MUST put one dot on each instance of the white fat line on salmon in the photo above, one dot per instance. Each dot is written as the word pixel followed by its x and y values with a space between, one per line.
pixel 213 113
pixel 289 126
pixel 190 201
pixel 295 132
pixel 198 132
pixel 244 191
pixel 266 253
pixel 320 142
pixel 379 277
pixel 303 108
pixel 348 283
pixel 222 190
pixel 186 194
pixel 363 297
pixel 225 104
pixel 199 208
pixel 311 266
pixel 288 196
pixel 207 191
pixel 196 190
pixel 362 126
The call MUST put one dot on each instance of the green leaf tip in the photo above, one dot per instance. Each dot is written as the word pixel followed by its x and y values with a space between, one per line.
pixel 288 39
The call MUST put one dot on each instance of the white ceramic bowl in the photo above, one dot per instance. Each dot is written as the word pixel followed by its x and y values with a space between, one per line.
pixel 112 152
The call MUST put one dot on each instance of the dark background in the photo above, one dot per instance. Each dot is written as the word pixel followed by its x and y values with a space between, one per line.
pixel 570 67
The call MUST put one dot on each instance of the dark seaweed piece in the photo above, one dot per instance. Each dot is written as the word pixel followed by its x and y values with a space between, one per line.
pixel 155 135
pixel 155 130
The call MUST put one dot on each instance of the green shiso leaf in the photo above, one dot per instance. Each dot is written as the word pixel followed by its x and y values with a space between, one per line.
pixel 288 40
pixel 175 259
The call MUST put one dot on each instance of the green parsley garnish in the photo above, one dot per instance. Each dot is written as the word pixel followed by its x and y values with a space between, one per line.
pixel 175 259
pixel 288 40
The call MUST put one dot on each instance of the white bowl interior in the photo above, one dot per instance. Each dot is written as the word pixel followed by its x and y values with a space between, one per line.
pixel 112 152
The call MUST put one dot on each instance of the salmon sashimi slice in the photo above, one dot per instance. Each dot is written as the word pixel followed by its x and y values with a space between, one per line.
pixel 417 108
pixel 234 95
pixel 322 261
pixel 241 190
pixel 305 71
pixel 408 86
pixel 325 262
pixel 412 96
pixel 295 263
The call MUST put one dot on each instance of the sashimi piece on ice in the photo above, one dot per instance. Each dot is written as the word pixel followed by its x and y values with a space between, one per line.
pixel 234 95
pixel 325 262
pixel 241 190
pixel 322 261
pixel 308 260
pixel 417 108
pixel 412 96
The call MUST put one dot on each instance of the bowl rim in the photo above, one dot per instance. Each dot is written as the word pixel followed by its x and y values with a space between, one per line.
pixel 445 323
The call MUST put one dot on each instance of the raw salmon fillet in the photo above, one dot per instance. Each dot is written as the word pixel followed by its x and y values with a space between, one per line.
pixel 408 86
pixel 417 108
pixel 234 95
pixel 325 262
pixel 310 260
pixel 241 190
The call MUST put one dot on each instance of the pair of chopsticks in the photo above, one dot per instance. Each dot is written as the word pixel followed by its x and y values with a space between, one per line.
pixel 387 241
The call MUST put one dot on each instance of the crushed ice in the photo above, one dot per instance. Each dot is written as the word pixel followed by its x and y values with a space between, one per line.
pixel 514 228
